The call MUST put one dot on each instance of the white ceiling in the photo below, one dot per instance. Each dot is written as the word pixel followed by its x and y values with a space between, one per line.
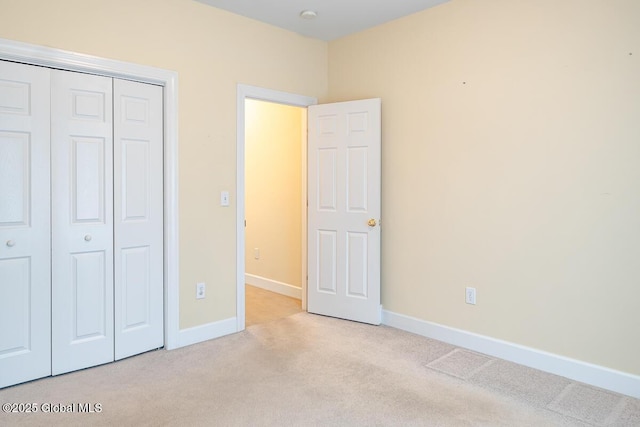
pixel 335 19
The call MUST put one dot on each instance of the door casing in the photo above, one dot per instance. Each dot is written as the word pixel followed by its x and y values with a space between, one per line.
pixel 55 58
pixel 269 95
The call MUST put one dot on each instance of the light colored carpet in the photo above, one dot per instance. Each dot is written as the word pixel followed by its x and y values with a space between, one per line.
pixel 308 370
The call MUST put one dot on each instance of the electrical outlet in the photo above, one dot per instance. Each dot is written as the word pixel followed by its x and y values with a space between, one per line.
pixel 470 296
pixel 200 289
pixel 256 253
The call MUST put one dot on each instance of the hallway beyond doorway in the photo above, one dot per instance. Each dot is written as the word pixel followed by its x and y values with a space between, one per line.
pixel 263 306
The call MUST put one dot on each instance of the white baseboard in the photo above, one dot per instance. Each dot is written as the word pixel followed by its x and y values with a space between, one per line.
pixel 599 376
pixel 206 332
pixel 273 286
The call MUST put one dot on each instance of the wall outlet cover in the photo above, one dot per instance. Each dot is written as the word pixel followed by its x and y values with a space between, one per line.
pixel 470 295
pixel 200 290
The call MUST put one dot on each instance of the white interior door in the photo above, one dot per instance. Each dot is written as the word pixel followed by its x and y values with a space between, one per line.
pixel 69 241
pixel 138 217
pixel 82 221
pixel 344 210
pixel 25 266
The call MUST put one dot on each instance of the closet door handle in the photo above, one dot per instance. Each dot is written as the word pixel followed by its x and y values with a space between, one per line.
pixel 11 243
pixel 87 237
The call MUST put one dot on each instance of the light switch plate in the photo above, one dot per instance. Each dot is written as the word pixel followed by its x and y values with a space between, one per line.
pixel 224 198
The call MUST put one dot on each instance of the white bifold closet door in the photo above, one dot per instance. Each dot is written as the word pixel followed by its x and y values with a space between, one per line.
pixel 138 218
pixel 25 256
pixel 81 221
pixel 107 299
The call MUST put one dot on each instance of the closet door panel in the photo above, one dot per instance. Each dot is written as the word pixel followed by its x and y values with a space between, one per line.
pixel 82 221
pixel 138 206
pixel 25 266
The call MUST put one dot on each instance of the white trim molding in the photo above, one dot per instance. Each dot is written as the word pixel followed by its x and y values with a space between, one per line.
pixel 269 95
pixel 60 59
pixel 273 286
pixel 599 376
pixel 206 332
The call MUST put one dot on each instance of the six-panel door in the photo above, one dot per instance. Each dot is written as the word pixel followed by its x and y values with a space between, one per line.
pixel 138 221
pixel 81 265
pixel 344 210
pixel 82 221
pixel 25 266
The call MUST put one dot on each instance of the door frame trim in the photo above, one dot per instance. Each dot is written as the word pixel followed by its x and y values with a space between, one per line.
pixel 26 53
pixel 278 97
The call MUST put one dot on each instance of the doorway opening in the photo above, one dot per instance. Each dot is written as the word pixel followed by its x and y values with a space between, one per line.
pixel 274 136
pixel 270 252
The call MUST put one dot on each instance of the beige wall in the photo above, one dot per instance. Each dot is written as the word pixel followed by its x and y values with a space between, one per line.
pixel 273 190
pixel 212 51
pixel 511 151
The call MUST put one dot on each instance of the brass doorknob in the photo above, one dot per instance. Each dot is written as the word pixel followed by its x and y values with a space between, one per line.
pixel 371 223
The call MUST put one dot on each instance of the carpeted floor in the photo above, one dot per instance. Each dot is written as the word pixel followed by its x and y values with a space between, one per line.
pixel 308 370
